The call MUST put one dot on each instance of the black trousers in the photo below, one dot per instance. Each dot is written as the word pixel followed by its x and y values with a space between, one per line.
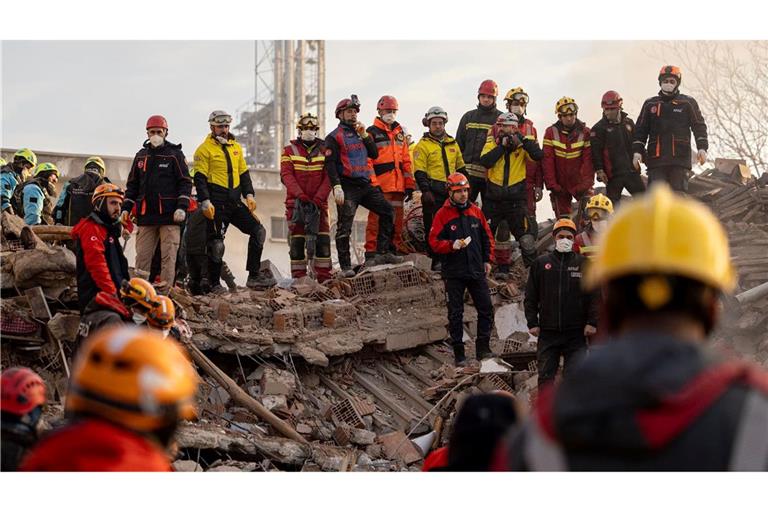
pixel 630 180
pixel 476 187
pixel 515 213
pixel 237 214
pixel 675 175
pixel 570 344
pixel 481 298
pixel 373 200
pixel 428 212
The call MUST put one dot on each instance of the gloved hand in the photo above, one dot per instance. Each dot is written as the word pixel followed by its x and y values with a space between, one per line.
pixel 518 139
pixel 251 202
pixel 338 195
pixel 409 194
pixel 701 156
pixel 506 141
pixel 304 198
pixel 179 215
pixel 602 177
pixel 427 198
pixel 126 235
pixel 209 211
pixel 538 194
pixel 459 244
pixel 360 129
pixel 125 217
pixel 636 159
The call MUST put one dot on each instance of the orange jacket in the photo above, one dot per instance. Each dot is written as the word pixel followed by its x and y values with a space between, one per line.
pixel 393 165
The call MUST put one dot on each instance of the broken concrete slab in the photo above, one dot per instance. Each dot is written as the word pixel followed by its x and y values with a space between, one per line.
pixel 396 445
pixel 187 466
pixel 64 326
pixel 509 319
pixel 278 382
pixel 274 402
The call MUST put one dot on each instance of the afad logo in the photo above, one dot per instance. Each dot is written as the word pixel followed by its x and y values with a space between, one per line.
pixel 547 266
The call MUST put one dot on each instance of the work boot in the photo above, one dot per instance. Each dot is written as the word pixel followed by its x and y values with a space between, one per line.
pixel 217 289
pixel 483 349
pixel 347 272
pixel 385 258
pixel 194 288
pixel 459 358
pixel 436 266
pixel 260 280
pixel 502 273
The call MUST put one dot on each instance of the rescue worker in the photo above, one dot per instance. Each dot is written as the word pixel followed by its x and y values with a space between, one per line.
pixel 516 101
pixel 567 162
pixel 665 123
pixel 162 317
pixel 559 313
pixel 222 180
pixel 505 200
pixel 74 201
pixel 14 174
pixel 472 132
pixel 130 388
pixel 461 235
pixel 39 194
pixel 599 210
pixel 654 398
pixel 159 187
pixel 611 143
pixel 348 150
pixel 393 172
pixel 302 171
pixel 21 405
pixel 435 157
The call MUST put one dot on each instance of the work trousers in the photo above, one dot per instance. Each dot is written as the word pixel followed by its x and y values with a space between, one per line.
pixel 511 216
pixel 395 199
pixel 237 214
pixel 675 175
pixel 481 298
pixel 571 344
pixel 373 200
pixel 630 180
pixel 147 238
pixel 297 247
pixel 428 212
pixel 477 186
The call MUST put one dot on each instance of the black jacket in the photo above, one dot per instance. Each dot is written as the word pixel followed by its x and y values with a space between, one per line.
pixel 554 299
pixel 611 145
pixel 158 184
pixel 471 134
pixel 75 200
pixel 666 122
pixel 450 224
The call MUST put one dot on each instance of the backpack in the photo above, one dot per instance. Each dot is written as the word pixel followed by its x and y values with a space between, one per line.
pixel 77 203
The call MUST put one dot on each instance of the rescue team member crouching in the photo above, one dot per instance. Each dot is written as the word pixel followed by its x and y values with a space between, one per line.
pixel 39 195
pixel 461 235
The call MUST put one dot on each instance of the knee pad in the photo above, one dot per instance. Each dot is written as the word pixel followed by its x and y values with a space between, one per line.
pixel 527 243
pixel 323 249
pixel 217 250
pixel 259 233
pixel 296 247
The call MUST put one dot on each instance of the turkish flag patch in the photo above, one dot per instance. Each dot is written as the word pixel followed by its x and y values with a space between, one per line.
pixel 547 266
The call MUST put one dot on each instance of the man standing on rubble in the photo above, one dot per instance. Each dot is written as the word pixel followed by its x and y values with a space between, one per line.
pixel 611 143
pixel 472 132
pixel 12 175
pixel 349 149
pixel 654 399
pixel 222 181
pixel 558 311
pixel 567 162
pixel 159 187
pixel 39 194
pixel 393 172
pixel 665 123
pixel 506 155
pixel 302 171
pixel 461 235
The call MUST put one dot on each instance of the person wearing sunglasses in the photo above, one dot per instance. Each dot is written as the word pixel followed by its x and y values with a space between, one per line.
pixel 665 124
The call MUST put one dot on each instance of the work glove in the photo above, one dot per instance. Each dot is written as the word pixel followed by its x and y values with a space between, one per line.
pixel 538 194
pixel 602 177
pixel 179 215
pixel 427 198
pixel 304 198
pixel 701 156
pixel 125 217
pixel 458 244
pixel 409 194
pixel 251 202
pixel 360 129
pixel 126 235
pixel 338 195
pixel 487 268
pixel 636 159
pixel 209 211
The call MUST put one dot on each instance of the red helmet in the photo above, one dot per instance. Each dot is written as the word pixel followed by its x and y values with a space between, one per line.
pixel 347 103
pixel 157 122
pixel 457 181
pixel 672 71
pixel 22 390
pixel 611 99
pixel 387 103
pixel 488 87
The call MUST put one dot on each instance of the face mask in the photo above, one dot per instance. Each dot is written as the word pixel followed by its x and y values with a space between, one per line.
pixel 308 135
pixel 668 88
pixel 388 118
pixel 612 115
pixel 516 109
pixel 156 140
pixel 599 225
pixel 222 140
pixel 563 245
pixel 138 318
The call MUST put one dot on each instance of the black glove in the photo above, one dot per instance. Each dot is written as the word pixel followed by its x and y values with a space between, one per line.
pixel 519 138
pixel 505 141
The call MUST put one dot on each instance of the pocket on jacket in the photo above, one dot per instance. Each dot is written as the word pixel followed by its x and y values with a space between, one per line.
pixel 681 147
pixel 167 204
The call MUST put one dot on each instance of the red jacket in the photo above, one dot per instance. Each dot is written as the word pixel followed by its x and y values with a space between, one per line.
pixel 438 459
pixel 95 445
pixel 567 162
pixel 302 172
pixel 393 167
pixel 534 174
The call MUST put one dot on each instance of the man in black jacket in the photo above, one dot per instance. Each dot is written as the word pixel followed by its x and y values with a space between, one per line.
pixel 158 187
pixel 74 201
pixel 461 235
pixel 666 122
pixel 558 311
pixel 611 140
pixel 472 132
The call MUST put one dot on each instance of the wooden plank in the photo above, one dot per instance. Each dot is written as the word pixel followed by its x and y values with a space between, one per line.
pixel 335 388
pixel 407 390
pixel 418 374
pixel 383 398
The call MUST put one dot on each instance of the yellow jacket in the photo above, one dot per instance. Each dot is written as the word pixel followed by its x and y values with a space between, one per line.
pixel 515 165
pixel 428 159
pixel 212 162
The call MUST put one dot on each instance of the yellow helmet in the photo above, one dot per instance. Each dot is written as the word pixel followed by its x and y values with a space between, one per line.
pixel 3 162
pixel 664 233
pixel 26 154
pixel 566 105
pixel 138 290
pixel 601 202
pixel 47 167
pixel 516 93
pixel 98 162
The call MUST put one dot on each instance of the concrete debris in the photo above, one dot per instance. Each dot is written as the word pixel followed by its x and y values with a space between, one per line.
pixel 278 382
pixel 187 466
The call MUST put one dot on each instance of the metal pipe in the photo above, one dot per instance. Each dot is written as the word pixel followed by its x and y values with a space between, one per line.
pixel 277 98
pixel 753 294
pixel 290 90
pixel 321 85
pixel 301 96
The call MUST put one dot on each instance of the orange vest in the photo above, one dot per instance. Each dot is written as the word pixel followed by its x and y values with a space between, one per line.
pixel 393 165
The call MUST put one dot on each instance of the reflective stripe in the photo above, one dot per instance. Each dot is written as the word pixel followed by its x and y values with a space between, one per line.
pixel 396 204
pixel 479 126
pixel 567 155
pixel 541 454
pixel 750 448
pixel 322 262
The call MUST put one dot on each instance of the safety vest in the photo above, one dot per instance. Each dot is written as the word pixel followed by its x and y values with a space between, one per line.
pixel 352 153
pixel 393 165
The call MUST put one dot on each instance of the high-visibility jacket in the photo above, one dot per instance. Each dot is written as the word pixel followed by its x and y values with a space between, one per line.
pixel 221 173
pixel 436 160
pixel 302 171
pixel 393 165
pixel 38 204
pixel 586 243
pixel 508 167
pixel 567 160
pixel 471 134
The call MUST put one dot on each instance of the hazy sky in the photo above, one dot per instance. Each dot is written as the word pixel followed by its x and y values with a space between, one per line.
pixel 94 96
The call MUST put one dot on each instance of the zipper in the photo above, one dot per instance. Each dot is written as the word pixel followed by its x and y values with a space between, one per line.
pixel 230 170
pixel 560 295
pixel 446 167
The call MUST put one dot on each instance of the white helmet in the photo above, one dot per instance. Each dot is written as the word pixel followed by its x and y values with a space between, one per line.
pixel 219 117
pixel 434 112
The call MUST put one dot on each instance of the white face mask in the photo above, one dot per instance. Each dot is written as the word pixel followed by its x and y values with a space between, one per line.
pixel 563 245
pixel 138 318
pixel 222 140
pixel 668 88
pixel 599 225
pixel 388 118
pixel 308 135
pixel 516 109
pixel 156 140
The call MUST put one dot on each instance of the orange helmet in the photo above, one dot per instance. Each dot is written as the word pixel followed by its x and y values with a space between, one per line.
pixel 134 377
pixel 162 315
pixel 21 391
pixel 564 223
pixel 488 87
pixel 107 190
pixel 673 71
pixel 138 290
pixel 457 181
